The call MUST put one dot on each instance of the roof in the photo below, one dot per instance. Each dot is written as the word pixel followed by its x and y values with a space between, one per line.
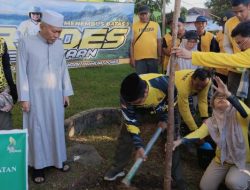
pixel 199 11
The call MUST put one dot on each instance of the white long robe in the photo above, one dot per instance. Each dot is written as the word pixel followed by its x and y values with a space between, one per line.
pixel 27 28
pixel 43 80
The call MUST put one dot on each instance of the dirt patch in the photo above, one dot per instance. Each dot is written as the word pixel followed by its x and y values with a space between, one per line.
pixel 84 176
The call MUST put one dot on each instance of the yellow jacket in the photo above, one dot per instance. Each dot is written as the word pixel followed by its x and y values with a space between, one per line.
pixel 230 46
pixel 222 60
pixel 168 39
pixel 184 89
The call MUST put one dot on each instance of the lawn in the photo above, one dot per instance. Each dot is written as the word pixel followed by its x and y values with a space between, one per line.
pixel 93 88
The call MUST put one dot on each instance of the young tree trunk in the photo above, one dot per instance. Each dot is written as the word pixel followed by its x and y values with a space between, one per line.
pixel 170 129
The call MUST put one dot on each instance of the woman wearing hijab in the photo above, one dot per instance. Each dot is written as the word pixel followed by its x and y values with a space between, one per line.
pixel 228 127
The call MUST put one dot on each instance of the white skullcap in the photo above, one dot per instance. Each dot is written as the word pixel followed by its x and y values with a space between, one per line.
pixel 53 18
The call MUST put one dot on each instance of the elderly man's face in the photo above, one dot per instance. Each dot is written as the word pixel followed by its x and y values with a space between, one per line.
pixel 242 42
pixel 50 33
pixel 241 11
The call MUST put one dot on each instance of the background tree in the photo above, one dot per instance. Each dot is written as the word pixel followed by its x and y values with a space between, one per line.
pixel 218 8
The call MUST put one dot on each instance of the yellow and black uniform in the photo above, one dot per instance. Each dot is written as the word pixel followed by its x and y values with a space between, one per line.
pixel 207 43
pixel 184 89
pixel 230 45
pixel 167 43
pixel 242 110
pixel 146 46
pixel 155 103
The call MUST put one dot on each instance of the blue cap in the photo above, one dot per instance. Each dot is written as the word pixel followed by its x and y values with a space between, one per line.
pixel 201 19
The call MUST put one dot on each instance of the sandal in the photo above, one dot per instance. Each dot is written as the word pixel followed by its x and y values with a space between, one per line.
pixel 65 167
pixel 38 176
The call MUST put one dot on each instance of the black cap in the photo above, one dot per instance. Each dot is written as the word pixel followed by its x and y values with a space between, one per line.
pixel 132 87
pixel 191 35
pixel 201 19
pixel 143 9
pixel 238 2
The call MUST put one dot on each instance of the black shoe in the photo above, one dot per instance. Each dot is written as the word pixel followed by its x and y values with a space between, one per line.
pixel 112 174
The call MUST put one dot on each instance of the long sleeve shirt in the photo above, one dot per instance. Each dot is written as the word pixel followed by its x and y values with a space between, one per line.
pixel 184 88
pixel 155 103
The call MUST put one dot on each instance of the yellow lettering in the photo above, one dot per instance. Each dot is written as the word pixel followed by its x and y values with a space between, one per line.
pixel 93 38
pixel 115 38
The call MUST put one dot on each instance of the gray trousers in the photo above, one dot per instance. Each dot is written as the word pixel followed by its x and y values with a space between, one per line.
pixel 146 66
pixel 5 121
pixel 235 179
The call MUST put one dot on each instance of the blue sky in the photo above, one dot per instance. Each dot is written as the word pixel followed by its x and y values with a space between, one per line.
pixel 22 6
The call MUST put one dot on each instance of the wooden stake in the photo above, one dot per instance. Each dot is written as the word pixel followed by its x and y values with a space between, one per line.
pixel 170 129
pixel 163 32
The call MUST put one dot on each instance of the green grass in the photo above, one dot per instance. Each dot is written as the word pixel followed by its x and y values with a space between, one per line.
pixel 93 88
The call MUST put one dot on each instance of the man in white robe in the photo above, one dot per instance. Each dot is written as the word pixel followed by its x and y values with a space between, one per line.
pixel 31 26
pixel 44 85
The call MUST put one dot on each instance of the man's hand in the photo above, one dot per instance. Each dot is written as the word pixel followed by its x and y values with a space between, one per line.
pixel 182 53
pixel 66 101
pixel 162 124
pixel 25 106
pixel 222 88
pixel 140 153
pixel 175 144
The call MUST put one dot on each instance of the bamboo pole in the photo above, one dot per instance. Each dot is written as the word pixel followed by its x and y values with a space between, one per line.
pixel 170 129
pixel 163 32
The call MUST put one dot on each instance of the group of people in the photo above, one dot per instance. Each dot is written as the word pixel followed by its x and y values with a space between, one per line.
pixel 43 90
pixel 197 58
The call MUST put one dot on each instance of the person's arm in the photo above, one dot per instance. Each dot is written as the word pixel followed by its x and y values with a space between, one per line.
pixel 239 106
pixel 194 136
pixel 22 76
pixel 165 47
pixel 66 82
pixel 202 101
pixel 132 124
pixel 159 44
pixel 132 59
pixel 8 74
pixel 226 40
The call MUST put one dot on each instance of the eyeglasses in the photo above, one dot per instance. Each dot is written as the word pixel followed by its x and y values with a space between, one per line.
pixel 220 97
